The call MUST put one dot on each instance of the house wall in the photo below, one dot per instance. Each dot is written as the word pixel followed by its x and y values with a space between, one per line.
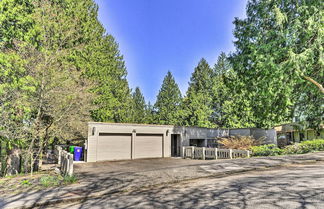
pixel 296 136
pixel 185 134
pixel 269 136
pixel 311 135
pixel 240 132
pixel 96 128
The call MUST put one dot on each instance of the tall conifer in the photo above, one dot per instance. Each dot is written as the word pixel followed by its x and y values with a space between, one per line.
pixel 197 104
pixel 168 101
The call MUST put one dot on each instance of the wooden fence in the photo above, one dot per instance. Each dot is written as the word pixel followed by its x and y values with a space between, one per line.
pixel 64 160
pixel 204 153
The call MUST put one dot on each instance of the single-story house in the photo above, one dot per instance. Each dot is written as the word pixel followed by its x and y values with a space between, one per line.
pixel 118 141
pixel 294 132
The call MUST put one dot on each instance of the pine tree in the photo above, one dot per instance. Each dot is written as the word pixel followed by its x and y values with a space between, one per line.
pixel 168 101
pixel 139 107
pixel 197 104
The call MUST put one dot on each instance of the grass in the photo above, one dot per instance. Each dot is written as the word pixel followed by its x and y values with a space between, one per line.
pixel 70 179
pixel 26 182
pixel 49 181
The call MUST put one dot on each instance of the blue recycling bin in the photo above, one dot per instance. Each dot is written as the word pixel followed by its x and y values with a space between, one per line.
pixel 77 153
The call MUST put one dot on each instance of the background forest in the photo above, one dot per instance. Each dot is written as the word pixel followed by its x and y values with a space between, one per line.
pixel 59 69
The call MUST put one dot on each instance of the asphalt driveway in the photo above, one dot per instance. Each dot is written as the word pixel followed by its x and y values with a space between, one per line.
pixel 138 165
pixel 300 186
pixel 110 178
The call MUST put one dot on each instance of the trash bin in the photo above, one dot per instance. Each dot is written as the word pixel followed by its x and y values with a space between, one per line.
pixel 77 153
pixel 71 149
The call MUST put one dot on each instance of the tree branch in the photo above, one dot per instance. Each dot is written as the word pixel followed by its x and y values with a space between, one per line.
pixel 314 82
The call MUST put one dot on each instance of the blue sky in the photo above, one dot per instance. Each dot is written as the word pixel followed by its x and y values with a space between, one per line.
pixel 160 35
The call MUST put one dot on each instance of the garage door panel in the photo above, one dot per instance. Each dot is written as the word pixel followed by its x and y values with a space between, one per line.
pixel 114 147
pixel 148 146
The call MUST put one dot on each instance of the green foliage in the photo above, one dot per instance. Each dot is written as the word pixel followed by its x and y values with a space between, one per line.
pixel 56 64
pixel 298 148
pixel 149 114
pixel 139 107
pixel 104 65
pixel 49 181
pixel 70 179
pixel 197 104
pixel 305 147
pixel 278 45
pixel 26 182
pixel 167 105
pixel 266 150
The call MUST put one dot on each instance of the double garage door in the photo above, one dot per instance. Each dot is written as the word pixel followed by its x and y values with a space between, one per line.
pixel 119 146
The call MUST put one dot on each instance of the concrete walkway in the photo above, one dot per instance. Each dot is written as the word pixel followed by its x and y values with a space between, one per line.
pixel 97 179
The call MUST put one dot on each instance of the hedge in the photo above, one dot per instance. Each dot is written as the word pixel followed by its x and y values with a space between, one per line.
pixel 299 148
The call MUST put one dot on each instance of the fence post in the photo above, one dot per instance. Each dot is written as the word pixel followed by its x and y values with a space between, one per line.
pixel 192 152
pixel 59 158
pixel 247 153
pixel 203 153
pixel 215 153
pixel 70 163
pixel 183 152
pixel 231 153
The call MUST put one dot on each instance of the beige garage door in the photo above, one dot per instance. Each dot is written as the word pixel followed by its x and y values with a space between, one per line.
pixel 148 145
pixel 114 147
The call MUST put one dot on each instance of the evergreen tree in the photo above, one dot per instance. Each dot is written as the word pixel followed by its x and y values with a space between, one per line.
pixel 139 107
pixel 168 101
pixel 279 61
pixel 221 93
pixel 149 114
pixel 106 68
pixel 197 104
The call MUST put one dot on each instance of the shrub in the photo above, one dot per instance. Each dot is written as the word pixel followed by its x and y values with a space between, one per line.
pixel 49 181
pixel 305 147
pixel 266 150
pixel 300 148
pixel 293 149
pixel 239 142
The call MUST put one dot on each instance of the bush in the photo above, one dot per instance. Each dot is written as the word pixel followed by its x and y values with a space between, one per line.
pixel 239 142
pixel 305 147
pixel 301 148
pixel 266 150
pixel 293 149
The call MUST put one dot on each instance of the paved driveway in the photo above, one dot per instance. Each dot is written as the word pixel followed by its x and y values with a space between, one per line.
pixel 139 165
pixel 113 178
pixel 292 187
